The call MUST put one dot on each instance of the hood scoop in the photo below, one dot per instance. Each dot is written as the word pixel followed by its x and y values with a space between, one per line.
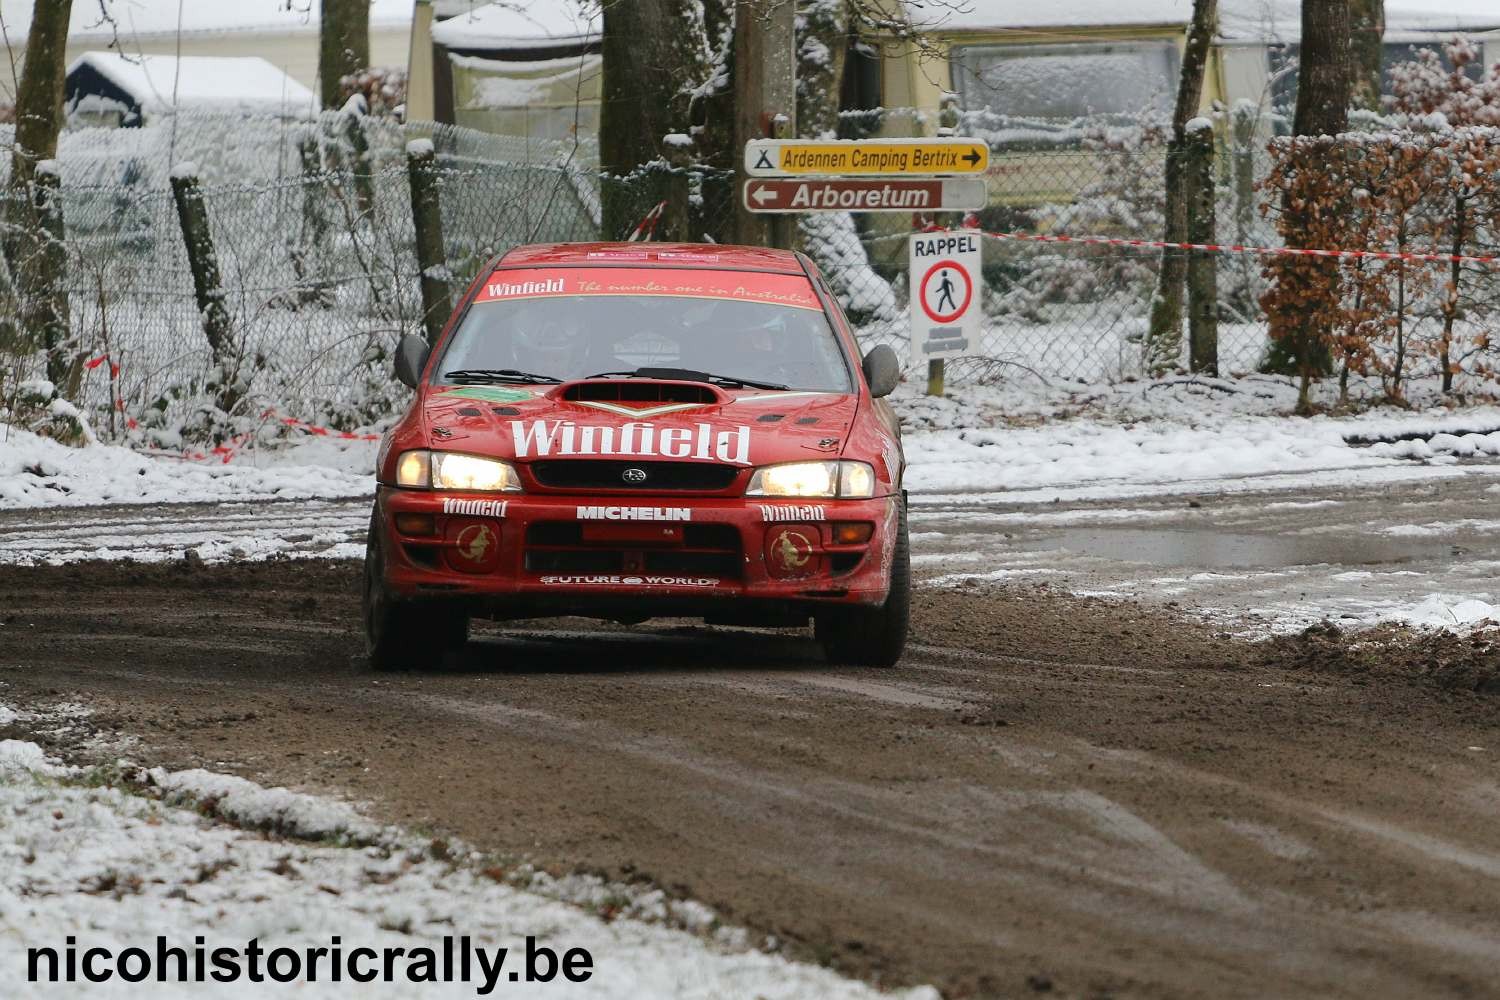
pixel 639 391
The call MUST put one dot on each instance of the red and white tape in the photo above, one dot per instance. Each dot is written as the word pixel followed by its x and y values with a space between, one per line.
pixel 1233 248
pixel 646 228
pixel 226 451
pixel 317 431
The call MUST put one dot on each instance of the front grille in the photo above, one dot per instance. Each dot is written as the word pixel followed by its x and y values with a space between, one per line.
pixel 662 562
pixel 604 474
pixel 705 550
pixel 569 534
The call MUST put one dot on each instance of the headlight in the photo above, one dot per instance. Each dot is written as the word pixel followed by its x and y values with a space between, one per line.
pixel 813 479
pixel 414 468
pixel 451 471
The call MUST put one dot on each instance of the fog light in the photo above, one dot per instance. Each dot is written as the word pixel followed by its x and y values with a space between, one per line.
pixel 416 525
pixel 852 532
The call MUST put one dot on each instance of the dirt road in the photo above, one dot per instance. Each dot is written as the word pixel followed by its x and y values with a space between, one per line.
pixel 1050 792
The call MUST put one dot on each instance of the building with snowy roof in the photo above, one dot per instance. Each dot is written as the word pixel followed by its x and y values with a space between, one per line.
pixel 281 33
pixel 1075 58
pixel 107 88
pixel 530 69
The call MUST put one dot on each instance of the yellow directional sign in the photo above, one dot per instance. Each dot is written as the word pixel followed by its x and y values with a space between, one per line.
pixel 878 157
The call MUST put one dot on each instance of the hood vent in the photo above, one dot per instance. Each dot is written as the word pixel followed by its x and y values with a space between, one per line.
pixel 639 391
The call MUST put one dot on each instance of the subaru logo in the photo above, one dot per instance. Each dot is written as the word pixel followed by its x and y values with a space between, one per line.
pixel 634 475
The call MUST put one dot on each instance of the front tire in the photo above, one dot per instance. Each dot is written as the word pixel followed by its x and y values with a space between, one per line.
pixel 872 636
pixel 400 635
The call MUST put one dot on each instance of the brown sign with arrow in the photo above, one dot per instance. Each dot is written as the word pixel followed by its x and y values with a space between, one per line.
pixel 842 194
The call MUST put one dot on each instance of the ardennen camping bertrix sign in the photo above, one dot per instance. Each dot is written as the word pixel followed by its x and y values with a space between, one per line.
pixel 945 308
pixel 871 157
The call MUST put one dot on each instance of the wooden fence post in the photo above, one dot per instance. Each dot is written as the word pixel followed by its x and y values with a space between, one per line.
pixel 427 219
pixel 192 216
pixel 48 306
pixel 676 219
pixel 359 144
pixel 1243 119
pixel 314 218
pixel 1203 265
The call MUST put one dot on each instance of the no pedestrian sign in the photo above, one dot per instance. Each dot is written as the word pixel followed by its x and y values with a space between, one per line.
pixel 944 270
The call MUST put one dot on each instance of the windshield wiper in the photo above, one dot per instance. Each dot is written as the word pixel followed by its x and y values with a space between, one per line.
pixel 690 375
pixel 498 375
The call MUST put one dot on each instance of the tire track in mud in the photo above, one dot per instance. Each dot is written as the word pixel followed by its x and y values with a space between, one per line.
pixel 1090 792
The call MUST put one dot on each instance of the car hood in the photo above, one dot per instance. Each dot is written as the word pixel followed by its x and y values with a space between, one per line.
pixel 687 421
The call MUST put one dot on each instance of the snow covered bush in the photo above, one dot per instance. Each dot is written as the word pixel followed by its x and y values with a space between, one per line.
pixel 1423 86
pixel 833 241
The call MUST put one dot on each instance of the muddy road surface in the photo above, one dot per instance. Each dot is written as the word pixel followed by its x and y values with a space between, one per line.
pixel 1051 793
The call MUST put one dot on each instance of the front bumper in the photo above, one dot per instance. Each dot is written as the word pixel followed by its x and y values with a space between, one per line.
pixel 526 554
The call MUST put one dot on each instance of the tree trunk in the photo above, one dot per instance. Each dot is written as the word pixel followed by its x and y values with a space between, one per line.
pixel 1164 338
pixel 651 49
pixel 765 89
pixel 1202 268
pixel 1366 38
pixel 1325 73
pixel 39 116
pixel 822 44
pixel 343 46
pixel 39 97
pixel 1324 82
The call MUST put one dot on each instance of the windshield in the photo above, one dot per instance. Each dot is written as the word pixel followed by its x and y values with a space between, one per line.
pixel 575 336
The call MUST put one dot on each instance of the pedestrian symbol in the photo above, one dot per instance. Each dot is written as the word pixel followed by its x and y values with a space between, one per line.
pixel 945 291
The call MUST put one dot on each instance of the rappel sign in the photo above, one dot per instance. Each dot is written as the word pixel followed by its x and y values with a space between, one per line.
pixel 943 270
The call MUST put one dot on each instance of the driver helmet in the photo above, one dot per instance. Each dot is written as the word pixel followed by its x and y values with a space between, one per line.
pixel 551 345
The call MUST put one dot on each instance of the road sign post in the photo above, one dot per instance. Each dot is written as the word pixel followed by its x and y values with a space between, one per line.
pixel 944 283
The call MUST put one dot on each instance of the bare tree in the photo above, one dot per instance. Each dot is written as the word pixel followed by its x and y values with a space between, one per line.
pixel 39 96
pixel 1164 339
pixel 654 50
pixel 1367 38
pixel 343 46
pixel 1325 75
pixel 28 242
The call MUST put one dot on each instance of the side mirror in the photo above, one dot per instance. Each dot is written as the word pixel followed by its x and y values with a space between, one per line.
pixel 411 358
pixel 882 370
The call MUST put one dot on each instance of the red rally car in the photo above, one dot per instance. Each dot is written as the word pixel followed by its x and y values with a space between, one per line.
pixel 629 431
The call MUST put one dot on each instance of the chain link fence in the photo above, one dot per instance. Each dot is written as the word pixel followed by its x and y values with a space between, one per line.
pixel 312 225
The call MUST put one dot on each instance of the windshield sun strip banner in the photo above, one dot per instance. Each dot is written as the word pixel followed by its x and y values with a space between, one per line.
pixel 792 290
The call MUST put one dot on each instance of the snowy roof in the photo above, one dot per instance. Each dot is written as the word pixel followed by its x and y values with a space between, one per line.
pixel 160 17
pixel 1238 19
pixel 234 84
pixel 522 24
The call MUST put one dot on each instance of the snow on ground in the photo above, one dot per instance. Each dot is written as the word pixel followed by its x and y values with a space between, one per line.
pixel 1176 433
pixel 225 532
pixel 116 863
pixel 39 472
